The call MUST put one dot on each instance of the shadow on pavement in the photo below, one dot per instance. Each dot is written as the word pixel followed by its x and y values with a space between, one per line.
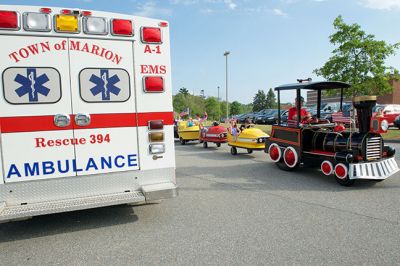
pixel 61 223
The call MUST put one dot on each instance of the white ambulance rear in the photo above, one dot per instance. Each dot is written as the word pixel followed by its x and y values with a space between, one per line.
pixel 86 116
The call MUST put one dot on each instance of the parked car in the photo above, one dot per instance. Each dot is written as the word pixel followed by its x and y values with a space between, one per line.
pixel 396 122
pixel 272 119
pixel 390 112
pixel 260 118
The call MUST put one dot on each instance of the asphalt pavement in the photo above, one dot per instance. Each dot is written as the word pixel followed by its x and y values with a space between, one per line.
pixel 232 210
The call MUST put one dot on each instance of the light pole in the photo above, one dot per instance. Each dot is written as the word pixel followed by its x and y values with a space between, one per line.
pixel 218 93
pixel 226 83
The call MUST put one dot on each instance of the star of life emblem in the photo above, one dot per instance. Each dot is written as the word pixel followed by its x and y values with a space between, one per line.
pixel 32 85
pixel 105 85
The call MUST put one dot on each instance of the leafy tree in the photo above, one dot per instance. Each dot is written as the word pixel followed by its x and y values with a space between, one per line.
pixel 358 59
pixel 212 108
pixel 271 99
pixel 184 91
pixel 235 108
pixel 259 101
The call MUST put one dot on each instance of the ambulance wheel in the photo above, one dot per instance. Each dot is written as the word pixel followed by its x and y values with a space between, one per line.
pixel 218 145
pixel 182 141
pixel 347 182
pixel 233 151
pixel 205 145
pixel 249 151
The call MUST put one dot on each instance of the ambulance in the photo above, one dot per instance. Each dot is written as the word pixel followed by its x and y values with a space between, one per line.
pixel 86 116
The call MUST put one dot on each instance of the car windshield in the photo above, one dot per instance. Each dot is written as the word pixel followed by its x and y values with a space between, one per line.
pixel 377 107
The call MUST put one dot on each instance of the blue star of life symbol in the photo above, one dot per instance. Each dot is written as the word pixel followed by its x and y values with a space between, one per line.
pixel 104 85
pixel 32 85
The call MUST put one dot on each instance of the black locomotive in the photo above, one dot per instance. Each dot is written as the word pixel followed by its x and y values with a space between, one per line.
pixel 348 153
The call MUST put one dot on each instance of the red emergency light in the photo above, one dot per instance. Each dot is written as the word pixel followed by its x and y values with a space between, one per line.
pixel 163 24
pixel 45 10
pixel 151 35
pixel 9 20
pixel 153 84
pixel 66 12
pixel 86 13
pixel 122 27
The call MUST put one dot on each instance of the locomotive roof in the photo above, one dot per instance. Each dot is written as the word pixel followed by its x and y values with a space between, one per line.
pixel 317 85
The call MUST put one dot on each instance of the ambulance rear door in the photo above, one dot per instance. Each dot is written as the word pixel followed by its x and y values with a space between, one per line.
pixel 35 109
pixel 103 105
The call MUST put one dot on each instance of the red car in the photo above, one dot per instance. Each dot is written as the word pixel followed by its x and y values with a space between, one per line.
pixel 216 134
pixel 389 111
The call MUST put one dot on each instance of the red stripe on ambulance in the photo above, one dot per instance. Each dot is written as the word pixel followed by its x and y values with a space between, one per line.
pixel 46 123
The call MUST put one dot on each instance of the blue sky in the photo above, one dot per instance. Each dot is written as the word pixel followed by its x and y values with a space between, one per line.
pixel 272 42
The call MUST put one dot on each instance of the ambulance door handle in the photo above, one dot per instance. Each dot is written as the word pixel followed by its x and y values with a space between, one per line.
pixel 62 120
pixel 82 119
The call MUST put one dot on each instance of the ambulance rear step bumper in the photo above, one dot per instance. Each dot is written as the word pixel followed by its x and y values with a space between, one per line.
pixel 17 212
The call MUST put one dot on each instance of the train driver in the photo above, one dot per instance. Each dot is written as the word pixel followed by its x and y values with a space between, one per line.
pixel 305 116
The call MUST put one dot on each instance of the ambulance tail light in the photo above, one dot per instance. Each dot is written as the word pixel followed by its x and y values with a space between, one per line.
pixel 37 21
pixel 151 35
pixel 156 125
pixel 45 10
pixel 157 148
pixel 67 23
pixel 9 20
pixel 153 84
pixel 156 136
pixel 95 25
pixel 121 27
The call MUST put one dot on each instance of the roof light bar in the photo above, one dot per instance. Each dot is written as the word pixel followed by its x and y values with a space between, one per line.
pixel 9 20
pixel 151 35
pixel 95 25
pixel 153 84
pixel 37 21
pixel 121 27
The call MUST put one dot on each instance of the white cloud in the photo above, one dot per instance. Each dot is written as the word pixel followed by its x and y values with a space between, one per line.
pixel 184 2
pixel 231 4
pixel 279 12
pixel 150 9
pixel 382 4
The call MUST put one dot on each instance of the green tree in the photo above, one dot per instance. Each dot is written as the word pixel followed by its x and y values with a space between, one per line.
pixel 212 108
pixel 271 99
pixel 358 59
pixel 235 108
pixel 184 91
pixel 259 101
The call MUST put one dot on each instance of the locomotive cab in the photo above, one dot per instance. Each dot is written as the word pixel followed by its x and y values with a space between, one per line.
pixel 356 151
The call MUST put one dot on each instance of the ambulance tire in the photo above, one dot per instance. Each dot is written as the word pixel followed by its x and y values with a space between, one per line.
pixel 205 145
pixel 249 151
pixel 233 151
pixel 347 182
pixel 182 141
pixel 218 145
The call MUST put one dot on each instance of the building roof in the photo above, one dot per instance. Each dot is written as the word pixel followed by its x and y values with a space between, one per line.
pixel 317 85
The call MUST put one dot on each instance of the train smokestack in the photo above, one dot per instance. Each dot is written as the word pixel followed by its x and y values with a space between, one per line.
pixel 364 105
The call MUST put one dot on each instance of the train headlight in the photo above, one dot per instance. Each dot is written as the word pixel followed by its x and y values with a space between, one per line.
pixel 384 125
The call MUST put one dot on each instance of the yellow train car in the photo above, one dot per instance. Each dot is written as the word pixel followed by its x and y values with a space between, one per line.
pixel 250 139
pixel 187 133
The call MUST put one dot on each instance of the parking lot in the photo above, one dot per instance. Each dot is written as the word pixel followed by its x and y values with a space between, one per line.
pixel 238 210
